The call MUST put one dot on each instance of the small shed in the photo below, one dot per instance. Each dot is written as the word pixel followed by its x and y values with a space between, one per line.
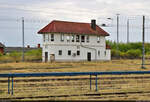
pixel 2 48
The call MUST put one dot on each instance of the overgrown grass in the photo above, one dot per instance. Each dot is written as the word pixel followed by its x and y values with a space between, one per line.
pixel 33 55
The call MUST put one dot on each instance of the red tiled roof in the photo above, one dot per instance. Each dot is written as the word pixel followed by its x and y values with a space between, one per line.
pixel 72 27
pixel 108 46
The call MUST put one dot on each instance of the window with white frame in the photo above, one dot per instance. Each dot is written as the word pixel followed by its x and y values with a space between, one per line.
pixel 87 39
pixel 62 37
pixel 46 37
pixel 82 38
pixel 72 38
pixel 78 53
pixel 52 37
pixel 69 52
pixel 68 38
pixel 60 52
pixel 98 53
pixel 98 39
pixel 77 38
pixel 105 53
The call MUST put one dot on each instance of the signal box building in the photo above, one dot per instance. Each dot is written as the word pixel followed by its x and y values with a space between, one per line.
pixel 74 41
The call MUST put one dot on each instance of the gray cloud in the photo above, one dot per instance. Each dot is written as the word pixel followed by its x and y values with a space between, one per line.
pixel 72 10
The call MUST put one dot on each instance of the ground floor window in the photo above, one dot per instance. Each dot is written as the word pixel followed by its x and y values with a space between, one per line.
pixel 60 52
pixel 78 53
pixel 98 53
pixel 69 52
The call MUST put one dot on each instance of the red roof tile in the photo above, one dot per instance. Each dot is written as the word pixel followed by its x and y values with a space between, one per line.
pixel 72 27
pixel 108 46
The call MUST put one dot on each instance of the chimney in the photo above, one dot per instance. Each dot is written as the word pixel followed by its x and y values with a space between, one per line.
pixel 28 46
pixel 38 46
pixel 93 24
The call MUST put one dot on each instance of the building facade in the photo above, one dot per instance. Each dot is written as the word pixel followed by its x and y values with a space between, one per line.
pixel 72 41
pixel 2 48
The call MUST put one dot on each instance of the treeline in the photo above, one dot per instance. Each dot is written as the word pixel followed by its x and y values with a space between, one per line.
pixel 32 55
pixel 128 50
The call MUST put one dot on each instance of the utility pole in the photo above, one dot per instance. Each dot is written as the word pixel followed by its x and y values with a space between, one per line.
pixel 128 31
pixel 118 28
pixel 118 34
pixel 22 39
pixel 143 47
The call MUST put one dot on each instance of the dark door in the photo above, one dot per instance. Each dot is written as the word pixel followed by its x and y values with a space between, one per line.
pixel 46 56
pixel 89 56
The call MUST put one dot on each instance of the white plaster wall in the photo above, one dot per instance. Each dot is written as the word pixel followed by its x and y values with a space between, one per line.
pixel 52 47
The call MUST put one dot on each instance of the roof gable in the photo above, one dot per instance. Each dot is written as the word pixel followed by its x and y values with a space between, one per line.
pixel 72 27
pixel 1 45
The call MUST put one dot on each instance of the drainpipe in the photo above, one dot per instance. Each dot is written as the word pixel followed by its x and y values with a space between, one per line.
pixel 90 48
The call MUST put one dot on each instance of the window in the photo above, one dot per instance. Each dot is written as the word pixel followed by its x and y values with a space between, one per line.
pixel 60 52
pixel 69 52
pixel 82 38
pixel 62 37
pixel 87 38
pixel 78 53
pixel 98 39
pixel 98 53
pixel 105 53
pixel 44 37
pixel 77 38
pixel 52 37
pixel 68 38
pixel 46 46
pixel 72 38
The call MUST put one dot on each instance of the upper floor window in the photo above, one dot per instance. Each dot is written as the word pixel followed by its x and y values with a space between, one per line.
pixel 72 38
pixel 82 38
pixel 77 38
pixel 68 38
pixel 98 39
pixel 87 39
pixel 44 37
pixel 62 37
pixel 52 37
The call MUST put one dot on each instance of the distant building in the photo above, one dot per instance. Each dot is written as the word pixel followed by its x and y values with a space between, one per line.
pixel 2 48
pixel 74 41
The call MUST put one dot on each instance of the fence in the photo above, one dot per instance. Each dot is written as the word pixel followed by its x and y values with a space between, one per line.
pixel 73 84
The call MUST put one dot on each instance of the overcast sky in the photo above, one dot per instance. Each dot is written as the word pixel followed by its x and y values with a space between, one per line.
pixel 38 13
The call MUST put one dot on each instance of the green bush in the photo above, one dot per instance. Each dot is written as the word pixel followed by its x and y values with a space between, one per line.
pixel 1 55
pixel 134 53
pixel 115 53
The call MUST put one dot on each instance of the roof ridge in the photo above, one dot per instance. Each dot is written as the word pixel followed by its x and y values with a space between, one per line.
pixel 69 21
